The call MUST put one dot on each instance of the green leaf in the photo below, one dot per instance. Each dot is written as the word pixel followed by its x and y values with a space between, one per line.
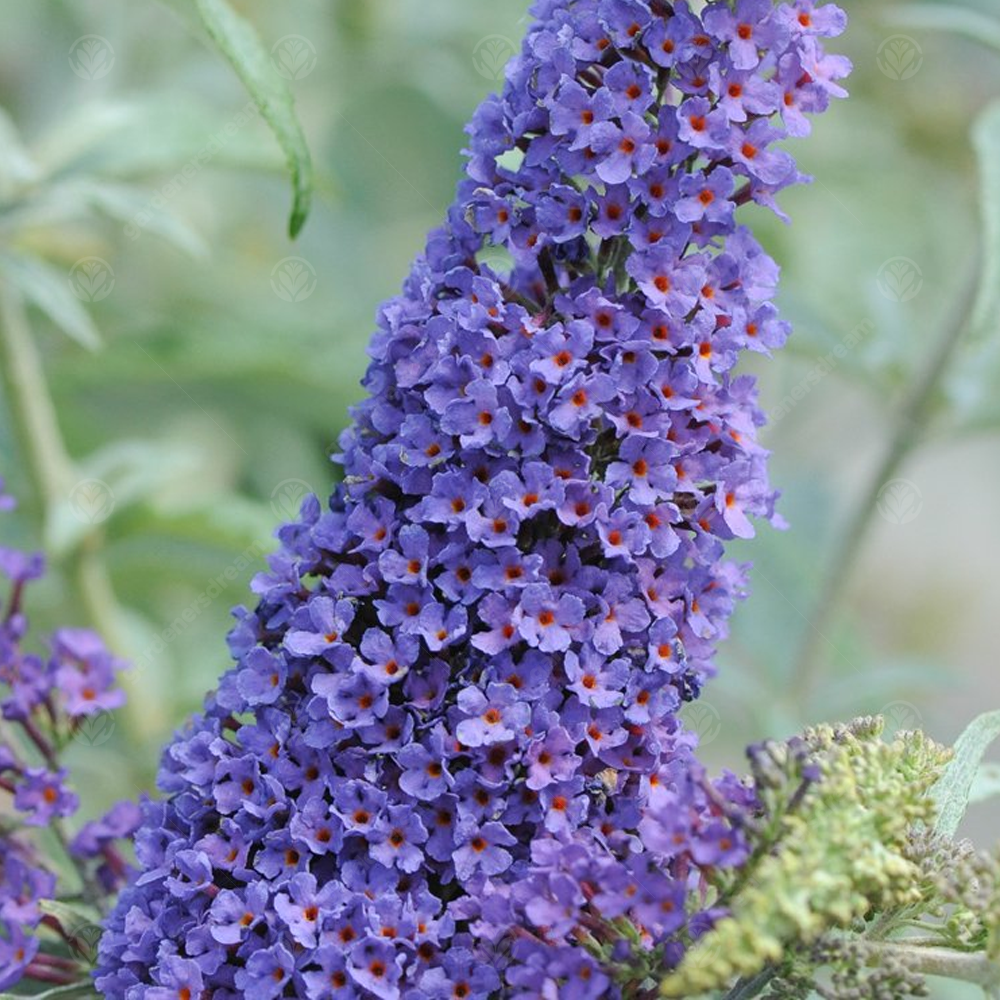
pixel 50 290
pixel 16 164
pixel 954 787
pixel 69 914
pixel 237 40
pixel 124 203
pixel 939 17
pixel 115 477
pixel 75 919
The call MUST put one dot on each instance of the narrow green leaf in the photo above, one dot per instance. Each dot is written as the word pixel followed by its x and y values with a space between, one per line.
pixel 953 789
pixel 70 915
pixel 942 17
pixel 16 164
pixel 50 290
pixel 124 203
pixel 239 43
pixel 115 477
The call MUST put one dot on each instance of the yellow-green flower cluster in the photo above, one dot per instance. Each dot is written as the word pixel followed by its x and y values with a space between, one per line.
pixel 839 807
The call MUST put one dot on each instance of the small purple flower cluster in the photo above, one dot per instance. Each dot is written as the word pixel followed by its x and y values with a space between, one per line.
pixel 451 732
pixel 43 701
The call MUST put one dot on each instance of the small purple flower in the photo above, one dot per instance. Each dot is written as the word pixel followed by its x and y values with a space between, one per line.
pixel 425 775
pixel 706 197
pixel 353 699
pixel 750 149
pixel 478 418
pixel 396 838
pixel 303 907
pixel 374 966
pixel 481 847
pixel 596 683
pixel 462 975
pixel 328 622
pixel 576 112
pixel 234 914
pixel 552 759
pixel 747 30
pixel 43 797
pixel 547 620
pixel 623 151
pixel 262 676
pixel 383 660
pixel 267 972
pixel 177 977
pixel 669 284
pixel 493 716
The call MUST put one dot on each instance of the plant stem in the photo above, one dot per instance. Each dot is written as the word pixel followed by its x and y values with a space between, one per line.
pixel 912 418
pixel 30 403
pixel 968 967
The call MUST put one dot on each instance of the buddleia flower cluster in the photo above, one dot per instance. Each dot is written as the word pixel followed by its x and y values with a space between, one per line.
pixel 448 759
pixel 46 698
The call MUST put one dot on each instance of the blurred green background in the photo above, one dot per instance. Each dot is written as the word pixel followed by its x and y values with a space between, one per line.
pixel 224 370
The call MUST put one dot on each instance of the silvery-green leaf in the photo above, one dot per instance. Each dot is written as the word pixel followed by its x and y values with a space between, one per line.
pixel 81 925
pixel 113 478
pixel 85 129
pixel 952 790
pixel 16 164
pixel 238 41
pixel 49 289
pixel 128 204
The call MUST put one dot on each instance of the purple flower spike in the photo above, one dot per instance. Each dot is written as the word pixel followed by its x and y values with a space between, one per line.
pixel 454 709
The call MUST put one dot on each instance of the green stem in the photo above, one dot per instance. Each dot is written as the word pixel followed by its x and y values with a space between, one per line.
pixel 30 404
pixel 968 967
pixel 910 423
